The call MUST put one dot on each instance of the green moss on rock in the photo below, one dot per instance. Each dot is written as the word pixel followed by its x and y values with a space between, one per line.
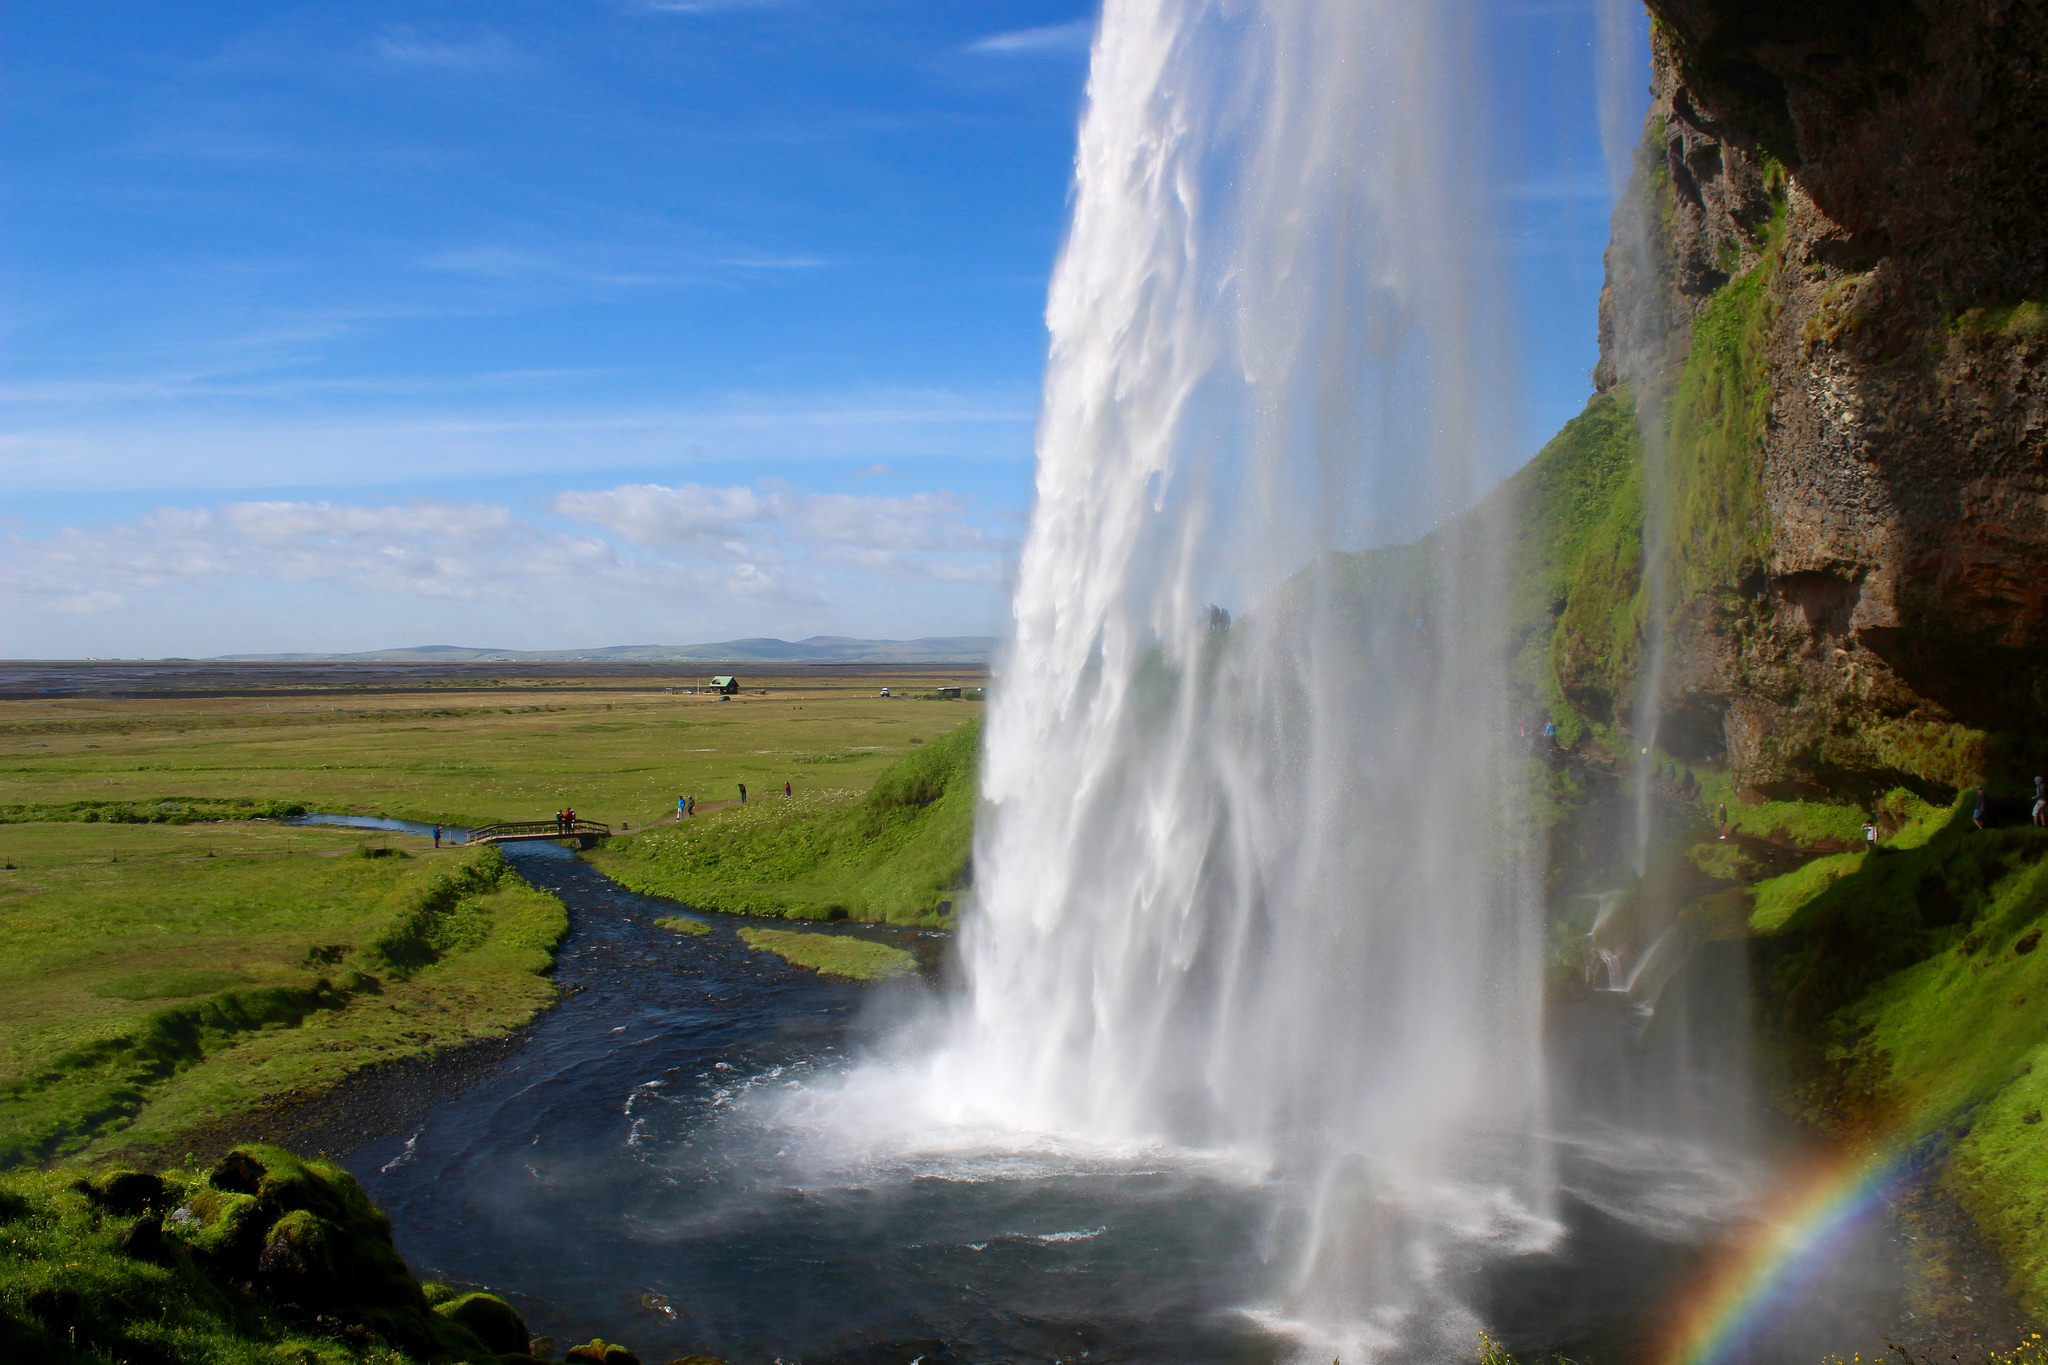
pixel 491 1320
pixel 266 1257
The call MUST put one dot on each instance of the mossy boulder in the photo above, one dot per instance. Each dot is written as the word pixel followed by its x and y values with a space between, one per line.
pixel 144 1239
pixel 597 1352
pixel 493 1321
pixel 124 1191
pixel 224 1230
pixel 304 1264
pixel 263 1258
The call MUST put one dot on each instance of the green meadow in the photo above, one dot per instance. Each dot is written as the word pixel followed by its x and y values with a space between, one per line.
pixel 179 959
pixel 164 978
pixel 521 750
pixel 896 851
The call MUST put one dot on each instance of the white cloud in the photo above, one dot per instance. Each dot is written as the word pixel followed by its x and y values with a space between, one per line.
pixel 1052 39
pixel 779 522
pixel 650 514
pixel 774 558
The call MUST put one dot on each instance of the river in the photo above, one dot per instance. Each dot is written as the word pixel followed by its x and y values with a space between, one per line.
pixel 633 1171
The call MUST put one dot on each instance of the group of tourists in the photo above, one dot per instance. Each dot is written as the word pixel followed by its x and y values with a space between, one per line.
pixel 686 806
pixel 565 821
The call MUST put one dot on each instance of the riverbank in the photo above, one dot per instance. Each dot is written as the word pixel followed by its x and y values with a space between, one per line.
pixel 165 981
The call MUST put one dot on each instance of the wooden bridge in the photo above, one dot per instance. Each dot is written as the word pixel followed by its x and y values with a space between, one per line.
pixel 584 832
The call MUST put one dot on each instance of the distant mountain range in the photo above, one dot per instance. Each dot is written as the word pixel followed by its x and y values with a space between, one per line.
pixel 819 649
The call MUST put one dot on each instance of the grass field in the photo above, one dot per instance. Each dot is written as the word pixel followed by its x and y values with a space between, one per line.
pixel 897 852
pixel 164 977
pixel 174 963
pixel 854 959
pixel 466 755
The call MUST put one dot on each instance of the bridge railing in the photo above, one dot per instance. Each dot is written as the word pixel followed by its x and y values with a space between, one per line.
pixel 536 829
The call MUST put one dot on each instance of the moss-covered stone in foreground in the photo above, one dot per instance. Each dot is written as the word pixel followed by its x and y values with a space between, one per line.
pixel 265 1258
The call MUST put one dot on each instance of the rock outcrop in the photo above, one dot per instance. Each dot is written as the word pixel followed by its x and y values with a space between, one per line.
pixel 1849 201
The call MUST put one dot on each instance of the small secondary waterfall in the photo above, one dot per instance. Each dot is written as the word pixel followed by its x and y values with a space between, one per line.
pixel 1639 352
pixel 1258 886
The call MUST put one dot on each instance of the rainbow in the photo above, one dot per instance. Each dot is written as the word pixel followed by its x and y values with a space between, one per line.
pixel 1800 1224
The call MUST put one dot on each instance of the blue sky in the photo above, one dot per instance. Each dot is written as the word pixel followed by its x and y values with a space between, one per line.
pixel 582 322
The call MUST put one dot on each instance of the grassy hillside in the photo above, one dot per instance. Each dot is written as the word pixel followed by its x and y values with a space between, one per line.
pixel 897 853
pixel 164 977
pixel 1904 995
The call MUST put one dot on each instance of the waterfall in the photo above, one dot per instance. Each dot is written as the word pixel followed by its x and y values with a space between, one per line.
pixel 1253 881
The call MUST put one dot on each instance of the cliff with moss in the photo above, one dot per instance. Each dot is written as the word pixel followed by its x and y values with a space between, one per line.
pixel 1827 290
pixel 1796 552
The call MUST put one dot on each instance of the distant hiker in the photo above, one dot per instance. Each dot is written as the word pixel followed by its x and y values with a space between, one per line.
pixel 785 791
pixel 692 809
pixel 2041 802
pixel 1870 836
pixel 437 836
pixel 680 803
pixel 743 793
pixel 1977 815
pixel 569 819
pixel 1721 814
pixel 558 822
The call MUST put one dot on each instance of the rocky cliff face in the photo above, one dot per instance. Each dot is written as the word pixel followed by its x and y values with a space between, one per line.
pixel 1842 282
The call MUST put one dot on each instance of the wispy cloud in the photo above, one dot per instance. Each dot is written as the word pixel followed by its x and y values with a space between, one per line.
pixel 773 262
pixel 1050 40
pixel 173 386
pixel 181 432
pixel 705 6
pixel 405 46
pixel 599 267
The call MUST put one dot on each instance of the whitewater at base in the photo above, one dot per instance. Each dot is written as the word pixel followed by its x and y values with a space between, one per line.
pixel 649 1166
